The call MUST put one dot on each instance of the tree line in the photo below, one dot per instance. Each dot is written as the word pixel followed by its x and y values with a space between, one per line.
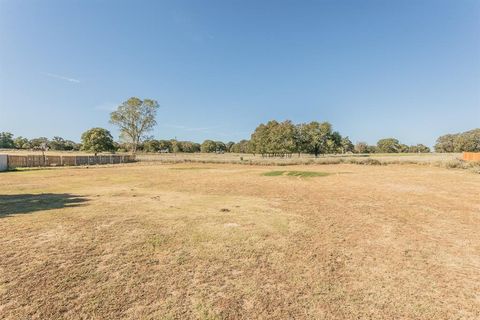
pixel 285 138
pixel 8 141
pixel 135 118
pixel 468 141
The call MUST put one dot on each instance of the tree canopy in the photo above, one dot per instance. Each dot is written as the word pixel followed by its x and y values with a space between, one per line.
pixel 283 138
pixel 468 141
pixel 6 140
pixel 208 146
pixel 97 140
pixel 388 145
pixel 135 118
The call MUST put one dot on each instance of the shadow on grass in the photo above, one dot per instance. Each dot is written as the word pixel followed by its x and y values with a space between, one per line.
pixel 27 203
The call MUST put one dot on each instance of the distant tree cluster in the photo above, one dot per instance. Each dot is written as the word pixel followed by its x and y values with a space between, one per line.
pixel 207 146
pixel 392 145
pixel 243 146
pixel 363 147
pixel 468 141
pixel 272 139
pixel 210 146
pixel 8 141
pixel 169 146
pixel 285 138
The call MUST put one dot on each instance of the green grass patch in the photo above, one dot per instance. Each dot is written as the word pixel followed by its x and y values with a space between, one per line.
pixel 274 173
pixel 303 174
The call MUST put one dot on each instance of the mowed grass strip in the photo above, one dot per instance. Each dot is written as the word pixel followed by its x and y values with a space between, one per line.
pixel 303 174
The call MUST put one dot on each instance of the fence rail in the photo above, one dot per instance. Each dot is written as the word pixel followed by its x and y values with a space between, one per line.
pixel 19 161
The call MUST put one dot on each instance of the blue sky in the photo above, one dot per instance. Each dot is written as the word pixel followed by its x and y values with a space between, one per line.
pixel 407 69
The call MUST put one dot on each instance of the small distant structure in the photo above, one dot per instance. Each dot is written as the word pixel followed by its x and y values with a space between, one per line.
pixel 3 162
pixel 471 156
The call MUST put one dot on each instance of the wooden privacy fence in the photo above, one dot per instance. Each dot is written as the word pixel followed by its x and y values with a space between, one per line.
pixel 18 161
pixel 471 156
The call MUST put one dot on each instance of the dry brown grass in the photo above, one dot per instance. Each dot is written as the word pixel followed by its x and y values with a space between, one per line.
pixel 295 159
pixel 225 241
pixel 443 160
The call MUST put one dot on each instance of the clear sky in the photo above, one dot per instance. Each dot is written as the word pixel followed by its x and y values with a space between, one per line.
pixel 408 69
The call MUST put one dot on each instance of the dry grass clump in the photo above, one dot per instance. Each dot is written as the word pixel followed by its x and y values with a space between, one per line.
pixel 363 161
pixel 473 166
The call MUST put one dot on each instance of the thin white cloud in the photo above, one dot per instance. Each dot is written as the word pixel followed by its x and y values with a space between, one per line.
pixel 57 76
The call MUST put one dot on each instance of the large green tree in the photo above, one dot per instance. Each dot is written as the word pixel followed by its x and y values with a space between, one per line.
pixel 274 138
pixel 151 145
pixel 189 146
pixel 468 141
pixel 445 143
pixel 419 148
pixel 346 145
pixel 229 145
pixel 21 143
pixel 317 138
pixel 58 143
pixel 220 146
pixel 361 147
pixel 208 146
pixel 258 139
pixel 6 140
pixel 97 140
pixel 165 145
pixel 39 143
pixel 243 146
pixel 284 138
pixel 135 118
pixel 388 145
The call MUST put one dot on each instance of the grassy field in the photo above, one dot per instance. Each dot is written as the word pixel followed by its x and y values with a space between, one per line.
pixel 238 157
pixel 443 160
pixel 296 159
pixel 200 241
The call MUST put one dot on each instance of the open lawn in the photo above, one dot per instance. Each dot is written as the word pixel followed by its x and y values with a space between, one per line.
pixel 208 241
